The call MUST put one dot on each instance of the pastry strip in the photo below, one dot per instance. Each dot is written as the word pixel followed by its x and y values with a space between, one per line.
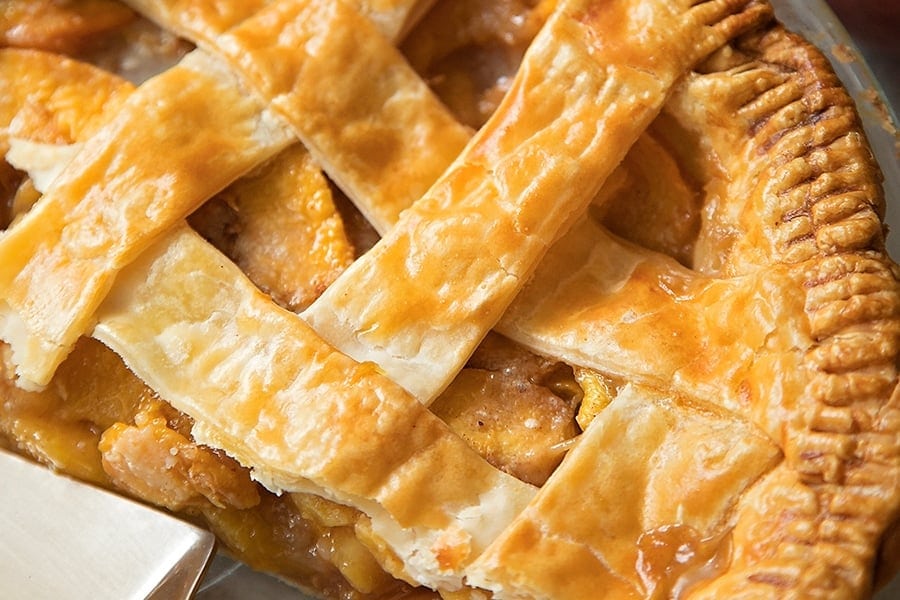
pixel 261 384
pixel 201 21
pixel 809 281
pixel 362 112
pixel 596 301
pixel 648 513
pixel 120 194
pixel 48 83
pixel 117 195
pixel 420 301
pixel 585 301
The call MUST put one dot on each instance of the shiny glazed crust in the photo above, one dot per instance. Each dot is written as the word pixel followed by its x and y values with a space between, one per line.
pixel 119 322
pixel 244 130
pixel 566 117
pixel 819 196
pixel 807 256
pixel 775 352
pixel 795 330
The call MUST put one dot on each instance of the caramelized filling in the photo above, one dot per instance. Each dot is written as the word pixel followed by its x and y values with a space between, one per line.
pixel 673 557
pixel 520 411
pixel 505 406
pixel 99 423
pixel 10 179
pixel 269 218
pixel 65 27
pixel 454 36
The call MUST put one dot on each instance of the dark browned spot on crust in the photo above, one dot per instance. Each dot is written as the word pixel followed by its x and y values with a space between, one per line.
pixel 776 580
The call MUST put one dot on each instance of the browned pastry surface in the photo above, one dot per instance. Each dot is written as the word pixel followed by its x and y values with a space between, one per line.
pixel 816 256
pixel 720 322
pixel 58 26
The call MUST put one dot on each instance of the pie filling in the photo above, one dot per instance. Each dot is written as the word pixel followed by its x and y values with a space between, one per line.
pixel 520 298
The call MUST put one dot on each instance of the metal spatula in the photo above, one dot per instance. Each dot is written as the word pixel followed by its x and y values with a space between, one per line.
pixel 62 539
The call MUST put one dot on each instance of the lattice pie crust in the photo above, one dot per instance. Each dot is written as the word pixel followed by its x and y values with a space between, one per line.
pixel 569 299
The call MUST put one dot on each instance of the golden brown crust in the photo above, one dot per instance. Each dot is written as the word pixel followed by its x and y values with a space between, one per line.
pixel 200 21
pixel 822 381
pixel 841 441
pixel 236 127
pixel 630 467
pixel 779 333
pixel 42 97
pixel 302 416
pixel 357 126
pixel 78 270
pixel 790 137
pixel 459 255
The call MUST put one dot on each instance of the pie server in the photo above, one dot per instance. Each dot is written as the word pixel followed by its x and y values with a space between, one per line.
pixel 60 538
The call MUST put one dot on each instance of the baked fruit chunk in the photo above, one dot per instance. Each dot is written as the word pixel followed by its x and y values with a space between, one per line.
pixel 621 322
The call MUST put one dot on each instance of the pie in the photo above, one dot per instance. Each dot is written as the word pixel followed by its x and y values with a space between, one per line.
pixel 514 299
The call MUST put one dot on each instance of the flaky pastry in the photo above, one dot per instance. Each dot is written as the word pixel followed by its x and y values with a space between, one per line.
pixel 707 344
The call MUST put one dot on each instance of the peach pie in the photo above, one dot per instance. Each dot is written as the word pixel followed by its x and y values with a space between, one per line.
pixel 460 299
